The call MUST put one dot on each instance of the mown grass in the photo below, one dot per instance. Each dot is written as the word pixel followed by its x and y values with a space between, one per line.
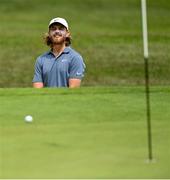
pixel 106 32
pixel 83 133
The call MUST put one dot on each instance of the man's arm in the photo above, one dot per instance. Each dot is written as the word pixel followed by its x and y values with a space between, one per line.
pixel 76 72
pixel 38 80
pixel 38 85
pixel 74 83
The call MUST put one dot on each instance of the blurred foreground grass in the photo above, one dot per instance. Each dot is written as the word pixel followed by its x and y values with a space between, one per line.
pixel 83 133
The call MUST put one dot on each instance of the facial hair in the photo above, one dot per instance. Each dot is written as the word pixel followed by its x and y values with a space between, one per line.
pixel 57 38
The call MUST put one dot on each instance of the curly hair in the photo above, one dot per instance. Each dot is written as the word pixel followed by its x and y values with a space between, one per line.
pixel 48 40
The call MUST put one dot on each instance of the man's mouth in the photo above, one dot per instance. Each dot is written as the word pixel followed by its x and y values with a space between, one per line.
pixel 57 35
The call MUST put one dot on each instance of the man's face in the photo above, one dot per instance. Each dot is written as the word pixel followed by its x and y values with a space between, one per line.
pixel 57 33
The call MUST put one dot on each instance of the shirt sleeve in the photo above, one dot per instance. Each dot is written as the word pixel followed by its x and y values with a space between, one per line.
pixel 77 68
pixel 38 71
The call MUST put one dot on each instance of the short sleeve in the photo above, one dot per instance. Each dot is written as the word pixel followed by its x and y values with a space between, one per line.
pixel 77 68
pixel 38 71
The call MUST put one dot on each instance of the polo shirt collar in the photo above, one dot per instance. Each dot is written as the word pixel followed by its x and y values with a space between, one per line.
pixel 66 51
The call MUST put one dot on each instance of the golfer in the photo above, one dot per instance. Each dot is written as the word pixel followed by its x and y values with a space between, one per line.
pixel 62 66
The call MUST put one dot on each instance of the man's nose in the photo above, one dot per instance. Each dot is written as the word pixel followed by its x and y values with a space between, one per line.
pixel 57 30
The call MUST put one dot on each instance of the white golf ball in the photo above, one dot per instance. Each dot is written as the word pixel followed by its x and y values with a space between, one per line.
pixel 28 118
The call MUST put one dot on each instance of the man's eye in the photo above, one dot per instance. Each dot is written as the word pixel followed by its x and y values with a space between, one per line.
pixel 61 28
pixel 53 29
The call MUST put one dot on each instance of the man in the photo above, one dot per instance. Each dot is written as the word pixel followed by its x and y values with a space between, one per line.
pixel 61 66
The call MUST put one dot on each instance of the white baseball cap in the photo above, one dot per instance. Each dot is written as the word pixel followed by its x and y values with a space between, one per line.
pixel 59 20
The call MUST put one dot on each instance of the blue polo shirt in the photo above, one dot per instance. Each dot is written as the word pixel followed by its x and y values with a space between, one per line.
pixel 56 71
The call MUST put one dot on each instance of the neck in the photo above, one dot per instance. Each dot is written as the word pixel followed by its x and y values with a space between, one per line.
pixel 57 49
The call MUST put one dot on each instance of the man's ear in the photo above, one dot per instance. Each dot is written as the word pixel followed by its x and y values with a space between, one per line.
pixel 68 34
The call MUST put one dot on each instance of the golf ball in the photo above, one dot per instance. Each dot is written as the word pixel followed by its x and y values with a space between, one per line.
pixel 28 118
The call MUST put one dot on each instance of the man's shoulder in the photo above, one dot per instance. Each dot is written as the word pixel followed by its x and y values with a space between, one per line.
pixel 41 58
pixel 44 55
pixel 74 53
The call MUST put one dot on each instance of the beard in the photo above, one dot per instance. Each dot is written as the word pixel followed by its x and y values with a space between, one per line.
pixel 57 39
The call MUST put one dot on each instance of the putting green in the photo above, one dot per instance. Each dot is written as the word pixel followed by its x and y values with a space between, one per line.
pixel 83 133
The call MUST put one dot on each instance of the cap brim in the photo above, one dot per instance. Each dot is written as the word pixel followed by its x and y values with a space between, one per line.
pixel 57 23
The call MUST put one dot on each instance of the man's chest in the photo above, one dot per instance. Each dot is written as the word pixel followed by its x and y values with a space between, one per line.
pixel 60 65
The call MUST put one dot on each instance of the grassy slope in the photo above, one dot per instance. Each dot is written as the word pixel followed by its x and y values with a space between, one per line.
pixel 106 32
pixel 83 133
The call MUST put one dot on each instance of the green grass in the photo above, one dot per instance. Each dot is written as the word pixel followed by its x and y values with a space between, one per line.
pixel 83 133
pixel 106 32
pixel 87 132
